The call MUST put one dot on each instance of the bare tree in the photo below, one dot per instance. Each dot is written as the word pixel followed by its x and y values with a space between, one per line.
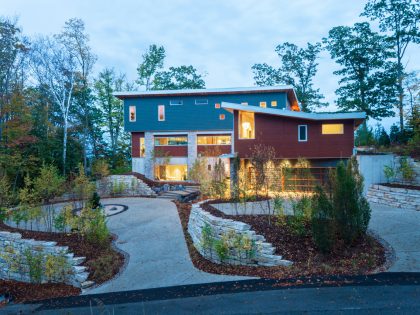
pixel 54 65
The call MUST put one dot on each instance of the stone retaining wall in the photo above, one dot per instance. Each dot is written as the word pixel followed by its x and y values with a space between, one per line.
pixel 123 185
pixel 395 197
pixel 245 247
pixel 14 264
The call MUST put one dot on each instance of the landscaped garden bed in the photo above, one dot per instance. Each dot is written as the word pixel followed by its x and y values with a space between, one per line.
pixel 103 264
pixel 365 256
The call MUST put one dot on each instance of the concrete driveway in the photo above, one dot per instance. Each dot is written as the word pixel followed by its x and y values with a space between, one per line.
pixel 401 229
pixel 150 232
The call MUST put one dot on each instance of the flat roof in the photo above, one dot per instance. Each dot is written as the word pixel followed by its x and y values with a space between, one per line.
pixel 265 89
pixel 294 114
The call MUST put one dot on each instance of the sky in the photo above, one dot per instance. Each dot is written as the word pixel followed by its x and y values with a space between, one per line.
pixel 221 38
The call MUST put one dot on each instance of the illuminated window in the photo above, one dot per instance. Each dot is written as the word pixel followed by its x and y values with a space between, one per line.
pixel 217 105
pixel 201 101
pixel 302 133
pixel 171 141
pixel 222 116
pixel 332 129
pixel 176 102
pixel 142 148
pixel 273 103
pixel 246 125
pixel 132 113
pixel 214 140
pixel 171 172
pixel 244 103
pixel 161 112
pixel 263 104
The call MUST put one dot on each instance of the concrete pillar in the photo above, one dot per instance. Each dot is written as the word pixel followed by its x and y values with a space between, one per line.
pixel 192 148
pixel 148 159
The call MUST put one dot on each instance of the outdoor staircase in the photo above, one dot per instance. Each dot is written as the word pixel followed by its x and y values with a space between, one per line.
pixel 189 193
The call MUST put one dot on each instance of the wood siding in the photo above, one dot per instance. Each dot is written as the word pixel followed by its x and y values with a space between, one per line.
pixel 213 150
pixel 282 134
pixel 173 150
pixel 135 143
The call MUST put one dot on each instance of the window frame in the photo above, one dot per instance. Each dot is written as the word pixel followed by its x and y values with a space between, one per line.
pixel 163 113
pixel 222 117
pixel 217 105
pixel 215 136
pixel 273 103
pixel 306 133
pixel 176 102
pixel 170 145
pixel 239 125
pixel 265 104
pixel 129 113
pixel 329 134
pixel 201 101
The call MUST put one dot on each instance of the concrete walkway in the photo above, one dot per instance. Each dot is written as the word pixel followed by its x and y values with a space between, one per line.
pixel 401 229
pixel 150 232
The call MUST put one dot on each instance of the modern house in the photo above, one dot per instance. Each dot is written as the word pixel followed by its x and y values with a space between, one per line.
pixel 170 129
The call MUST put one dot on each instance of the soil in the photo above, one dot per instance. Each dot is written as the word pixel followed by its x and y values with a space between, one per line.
pixel 412 187
pixel 103 263
pixel 367 255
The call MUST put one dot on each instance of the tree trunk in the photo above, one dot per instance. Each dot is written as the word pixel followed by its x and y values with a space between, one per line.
pixel 64 146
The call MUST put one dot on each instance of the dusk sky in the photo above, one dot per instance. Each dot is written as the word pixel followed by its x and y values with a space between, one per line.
pixel 222 39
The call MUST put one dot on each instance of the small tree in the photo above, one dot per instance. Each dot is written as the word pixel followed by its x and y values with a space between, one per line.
pixel 100 168
pixel 351 209
pixel 322 220
pixel 199 173
pixel 83 187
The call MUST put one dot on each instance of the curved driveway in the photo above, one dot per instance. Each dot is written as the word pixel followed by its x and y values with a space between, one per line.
pixel 150 232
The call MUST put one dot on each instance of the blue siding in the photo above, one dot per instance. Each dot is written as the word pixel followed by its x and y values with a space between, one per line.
pixel 191 117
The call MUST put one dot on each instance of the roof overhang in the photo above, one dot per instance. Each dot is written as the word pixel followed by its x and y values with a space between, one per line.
pixel 358 117
pixel 201 92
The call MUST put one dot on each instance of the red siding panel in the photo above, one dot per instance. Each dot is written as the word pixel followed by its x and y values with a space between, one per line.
pixel 173 150
pixel 213 150
pixel 282 134
pixel 135 143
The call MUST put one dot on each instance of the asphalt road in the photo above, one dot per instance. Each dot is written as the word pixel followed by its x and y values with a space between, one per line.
pixel 397 293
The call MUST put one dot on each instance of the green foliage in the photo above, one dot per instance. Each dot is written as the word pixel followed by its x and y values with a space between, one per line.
pixel 351 209
pixel 301 213
pixel 83 187
pixel 323 229
pixel 207 239
pixel 176 78
pixel 152 62
pixel 94 227
pixel 100 169
pixel 389 173
pixel 381 136
pixel 118 188
pixel 48 185
pixel 95 201
pixel 35 262
pixel 364 135
pixel 221 248
pixel 298 68
pixel 368 77
pixel 57 268
pixel 406 169
pixel 5 193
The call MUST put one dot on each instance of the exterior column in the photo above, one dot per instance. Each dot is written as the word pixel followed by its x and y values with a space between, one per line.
pixel 148 159
pixel 234 179
pixel 192 148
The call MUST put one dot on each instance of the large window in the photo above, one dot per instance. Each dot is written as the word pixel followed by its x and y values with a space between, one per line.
pixel 142 148
pixel 132 110
pixel 302 133
pixel 171 141
pixel 246 125
pixel 214 140
pixel 161 113
pixel 171 172
pixel 332 129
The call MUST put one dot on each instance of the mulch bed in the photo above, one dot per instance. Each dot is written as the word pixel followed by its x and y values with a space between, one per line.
pixel 412 187
pixel 103 262
pixel 366 256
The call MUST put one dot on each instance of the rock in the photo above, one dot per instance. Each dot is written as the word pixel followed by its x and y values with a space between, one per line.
pixel 87 284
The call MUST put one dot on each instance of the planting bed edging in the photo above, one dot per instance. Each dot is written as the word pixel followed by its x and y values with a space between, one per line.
pixel 219 227
pixel 13 246
pixel 395 197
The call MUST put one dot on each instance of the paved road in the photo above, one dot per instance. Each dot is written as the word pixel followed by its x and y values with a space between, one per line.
pixel 150 232
pixel 401 229
pixel 395 299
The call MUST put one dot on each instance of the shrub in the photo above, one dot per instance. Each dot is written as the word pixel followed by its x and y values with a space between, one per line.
pixel 83 188
pixel 301 214
pixel 322 221
pixel 100 169
pixel 57 268
pixel 221 249
pixel 389 173
pixel 351 209
pixel 118 188
pixel 406 170
pixel 94 226
pixel 5 195
pixel 95 201
pixel 207 237
pixel 35 263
